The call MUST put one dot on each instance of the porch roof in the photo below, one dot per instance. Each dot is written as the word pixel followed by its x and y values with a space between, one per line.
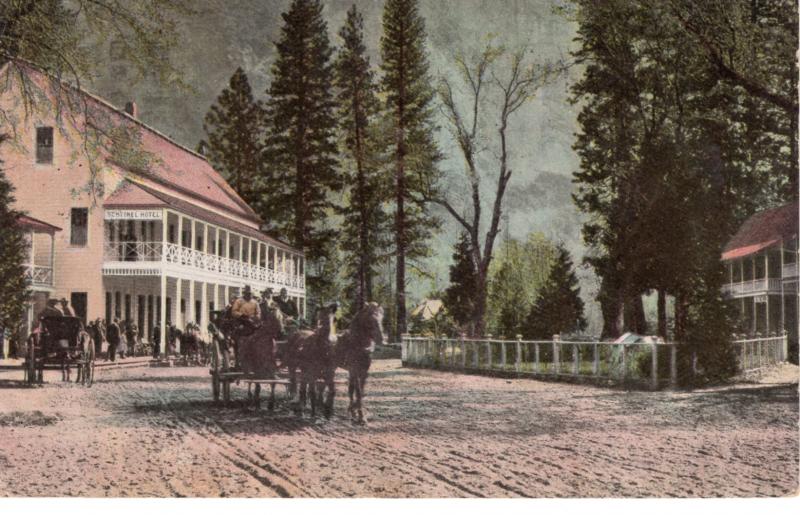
pixel 133 195
pixel 36 225
pixel 763 230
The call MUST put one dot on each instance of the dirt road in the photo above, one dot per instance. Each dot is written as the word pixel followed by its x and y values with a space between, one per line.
pixel 155 432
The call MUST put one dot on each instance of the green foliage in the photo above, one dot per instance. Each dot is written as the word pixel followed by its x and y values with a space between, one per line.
pixel 408 95
pixel 685 130
pixel 234 125
pixel 558 307
pixel 460 296
pixel 301 146
pixel 517 273
pixel 13 254
pixel 365 236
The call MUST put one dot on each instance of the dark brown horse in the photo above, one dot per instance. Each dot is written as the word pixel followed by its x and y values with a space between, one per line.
pixel 312 352
pixel 354 353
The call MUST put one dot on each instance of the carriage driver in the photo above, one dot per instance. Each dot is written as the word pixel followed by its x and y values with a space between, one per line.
pixel 246 306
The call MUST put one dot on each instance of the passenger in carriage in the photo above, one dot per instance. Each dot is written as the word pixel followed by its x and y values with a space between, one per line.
pixel 286 305
pixel 51 310
pixel 65 309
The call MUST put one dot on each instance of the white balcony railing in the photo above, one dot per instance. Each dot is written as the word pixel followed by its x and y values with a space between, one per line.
pixel 39 276
pixel 772 285
pixel 175 254
pixel 790 270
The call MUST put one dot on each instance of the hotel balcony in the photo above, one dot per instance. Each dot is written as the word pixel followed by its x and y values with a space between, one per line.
pixel 41 253
pixel 157 258
pixel 754 287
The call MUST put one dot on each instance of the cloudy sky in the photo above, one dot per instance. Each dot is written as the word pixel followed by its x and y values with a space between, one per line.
pixel 231 33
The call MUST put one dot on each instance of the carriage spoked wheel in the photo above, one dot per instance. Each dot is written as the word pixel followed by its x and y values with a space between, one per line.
pixel 215 369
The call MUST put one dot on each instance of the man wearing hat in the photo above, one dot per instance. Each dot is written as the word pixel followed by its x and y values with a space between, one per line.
pixel 287 307
pixel 246 306
pixel 51 310
pixel 65 309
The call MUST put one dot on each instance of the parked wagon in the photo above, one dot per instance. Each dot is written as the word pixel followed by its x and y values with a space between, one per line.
pixel 60 342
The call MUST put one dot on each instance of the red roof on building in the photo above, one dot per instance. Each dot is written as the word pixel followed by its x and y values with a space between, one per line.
pixel 175 166
pixel 36 225
pixel 129 194
pixel 763 230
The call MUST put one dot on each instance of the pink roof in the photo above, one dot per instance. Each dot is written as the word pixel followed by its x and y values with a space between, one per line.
pixel 174 166
pixel 36 225
pixel 130 195
pixel 763 230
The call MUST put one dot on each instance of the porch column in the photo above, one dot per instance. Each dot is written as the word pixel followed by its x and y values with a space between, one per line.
pixel 190 308
pixel 205 239
pixel 178 314
pixel 193 243
pixel 755 313
pixel 783 307
pixel 258 254
pixel 53 258
pixel 162 316
pixel 204 309
pixel 180 232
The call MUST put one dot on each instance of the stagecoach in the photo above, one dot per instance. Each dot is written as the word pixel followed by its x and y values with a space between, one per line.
pixel 226 363
pixel 59 342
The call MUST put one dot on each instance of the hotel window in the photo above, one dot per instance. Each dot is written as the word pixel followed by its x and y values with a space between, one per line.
pixel 79 226
pixel 117 304
pixel 44 145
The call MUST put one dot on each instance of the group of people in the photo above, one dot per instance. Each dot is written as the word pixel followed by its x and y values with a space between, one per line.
pixel 248 306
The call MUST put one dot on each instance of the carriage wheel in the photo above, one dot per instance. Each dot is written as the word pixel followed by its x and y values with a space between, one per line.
pixel 215 360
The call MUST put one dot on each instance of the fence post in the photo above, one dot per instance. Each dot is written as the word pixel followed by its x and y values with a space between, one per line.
pixel 655 368
pixel 489 351
pixel 556 357
pixel 452 354
pixel 463 349
pixel 503 355
pixel 536 357
pixel 518 356
pixel 404 343
pixel 576 359
pixel 596 364
pixel 673 365
pixel 624 365
pixel 475 354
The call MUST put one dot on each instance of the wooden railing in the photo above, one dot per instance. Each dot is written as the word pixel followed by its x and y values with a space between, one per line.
pixel 758 285
pixel 41 276
pixel 755 353
pixel 192 258
pixel 654 365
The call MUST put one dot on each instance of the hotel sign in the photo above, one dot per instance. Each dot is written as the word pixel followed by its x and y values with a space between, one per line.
pixel 133 214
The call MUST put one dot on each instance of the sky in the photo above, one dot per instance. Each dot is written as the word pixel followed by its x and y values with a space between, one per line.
pixel 226 34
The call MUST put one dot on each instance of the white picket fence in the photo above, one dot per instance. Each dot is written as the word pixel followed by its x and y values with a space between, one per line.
pixel 652 364
pixel 647 363
pixel 755 353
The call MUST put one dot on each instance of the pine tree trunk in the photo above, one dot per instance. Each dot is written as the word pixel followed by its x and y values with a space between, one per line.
pixel 611 309
pixel 364 293
pixel 400 229
pixel 662 313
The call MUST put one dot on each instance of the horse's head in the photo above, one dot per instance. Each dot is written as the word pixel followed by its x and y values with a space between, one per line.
pixel 326 323
pixel 368 323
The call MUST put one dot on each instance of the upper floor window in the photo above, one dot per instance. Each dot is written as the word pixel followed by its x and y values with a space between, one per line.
pixel 44 145
pixel 79 226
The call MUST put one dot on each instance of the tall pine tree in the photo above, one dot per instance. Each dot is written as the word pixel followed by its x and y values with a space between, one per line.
pixel 459 297
pixel 408 92
pixel 558 308
pixel 234 128
pixel 13 253
pixel 364 237
pixel 301 146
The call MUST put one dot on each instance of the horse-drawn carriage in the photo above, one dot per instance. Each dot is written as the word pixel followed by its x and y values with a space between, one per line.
pixel 269 352
pixel 59 342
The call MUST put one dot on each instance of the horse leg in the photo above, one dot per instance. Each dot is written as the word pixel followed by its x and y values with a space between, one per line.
pixel 331 396
pixel 361 381
pixel 292 381
pixel 351 388
pixel 301 402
